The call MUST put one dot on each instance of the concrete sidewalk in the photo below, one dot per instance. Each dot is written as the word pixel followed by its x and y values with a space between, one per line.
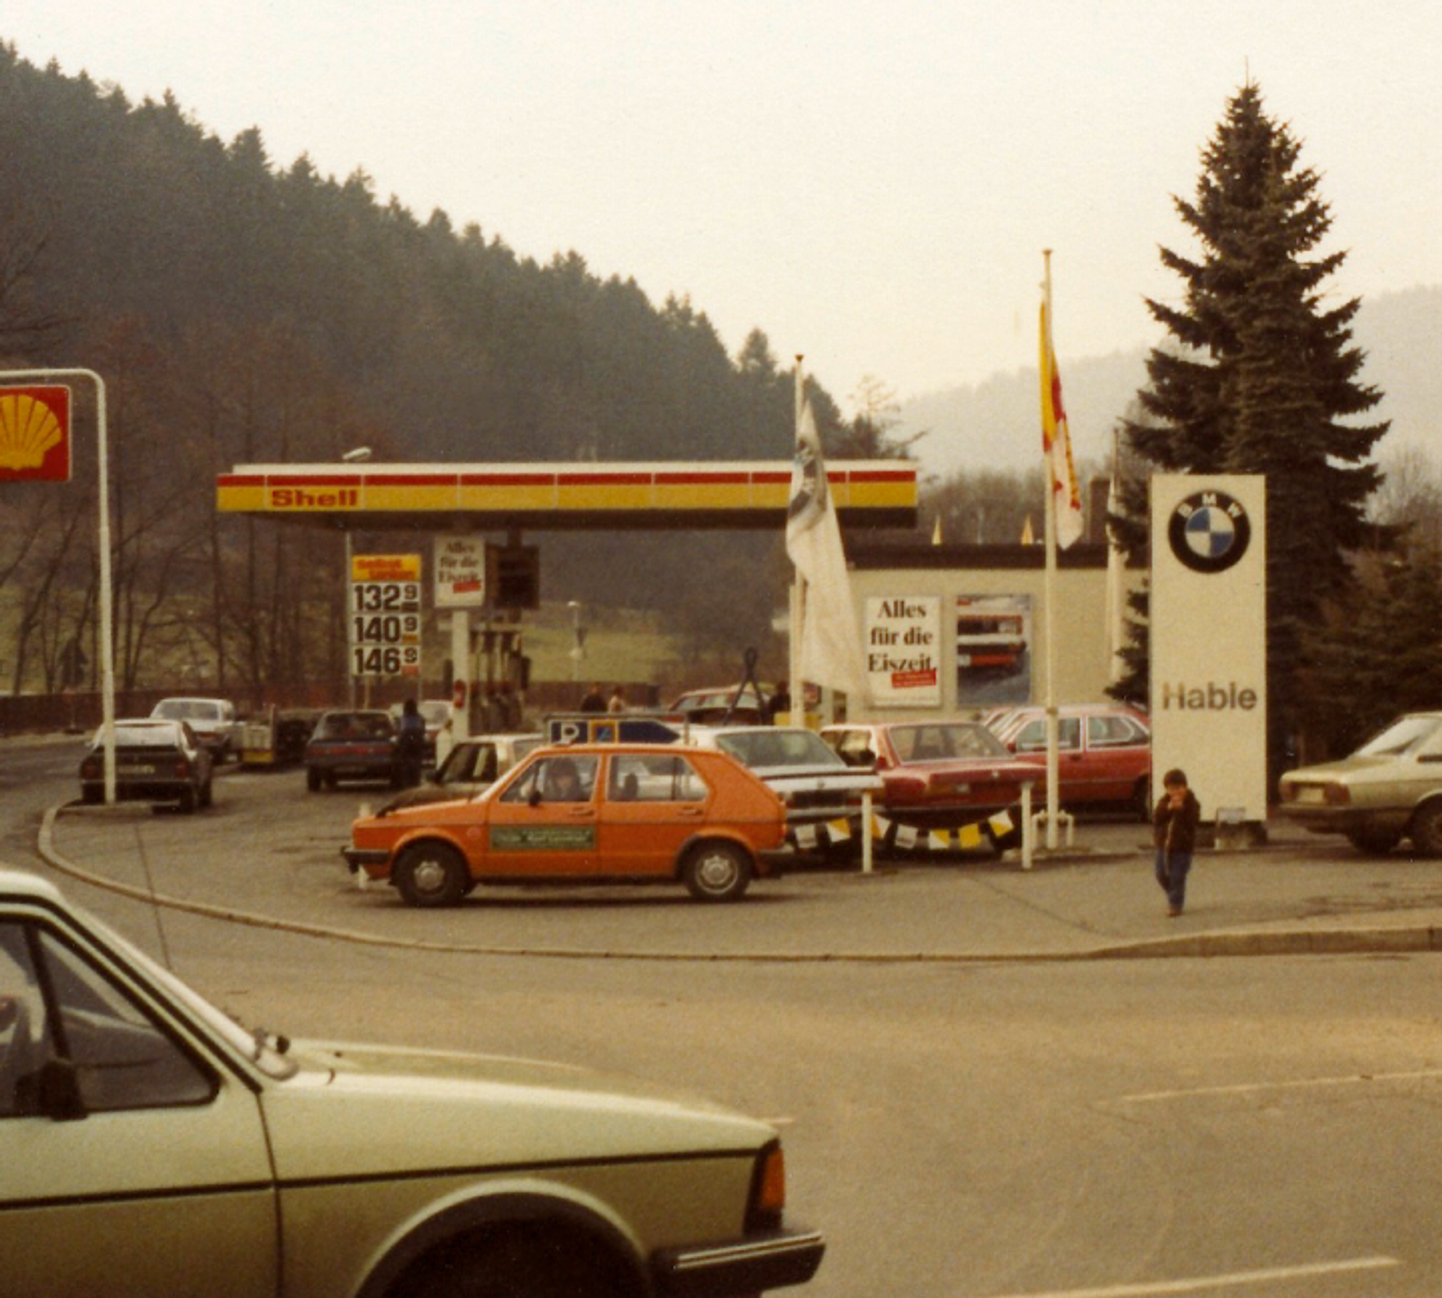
pixel 1299 893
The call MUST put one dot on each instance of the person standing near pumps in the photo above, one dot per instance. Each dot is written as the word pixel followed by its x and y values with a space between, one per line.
pixel 1174 830
pixel 411 744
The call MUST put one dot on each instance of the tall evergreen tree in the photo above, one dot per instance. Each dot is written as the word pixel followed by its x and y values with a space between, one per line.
pixel 1257 377
pixel 1396 602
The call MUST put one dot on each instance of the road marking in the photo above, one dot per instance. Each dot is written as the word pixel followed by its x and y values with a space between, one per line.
pixel 1250 1088
pixel 1226 1281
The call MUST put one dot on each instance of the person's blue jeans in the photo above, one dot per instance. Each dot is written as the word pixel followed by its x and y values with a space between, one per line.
pixel 1172 868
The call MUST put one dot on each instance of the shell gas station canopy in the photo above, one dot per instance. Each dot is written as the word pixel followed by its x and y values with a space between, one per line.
pixel 663 496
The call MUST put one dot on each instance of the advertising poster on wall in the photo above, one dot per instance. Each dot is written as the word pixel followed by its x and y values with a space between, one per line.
pixel 993 650
pixel 903 651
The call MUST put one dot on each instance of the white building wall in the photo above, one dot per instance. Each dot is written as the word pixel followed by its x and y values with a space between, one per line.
pixel 1082 658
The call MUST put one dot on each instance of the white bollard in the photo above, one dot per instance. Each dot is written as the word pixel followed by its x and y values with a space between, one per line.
pixel 1027 828
pixel 866 852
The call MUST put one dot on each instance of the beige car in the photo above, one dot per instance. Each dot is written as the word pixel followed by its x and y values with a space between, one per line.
pixel 1388 790
pixel 154 1147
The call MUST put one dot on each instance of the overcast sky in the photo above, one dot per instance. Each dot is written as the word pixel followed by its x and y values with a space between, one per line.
pixel 872 184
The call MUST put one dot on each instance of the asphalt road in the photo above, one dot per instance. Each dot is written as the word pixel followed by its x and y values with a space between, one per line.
pixel 962 1129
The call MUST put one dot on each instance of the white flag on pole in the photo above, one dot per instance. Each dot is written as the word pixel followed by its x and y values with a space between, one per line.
pixel 830 641
pixel 1116 587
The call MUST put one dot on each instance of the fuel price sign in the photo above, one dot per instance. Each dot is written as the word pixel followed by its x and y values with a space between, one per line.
pixel 385 615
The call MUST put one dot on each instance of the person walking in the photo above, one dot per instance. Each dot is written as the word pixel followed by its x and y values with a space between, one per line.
pixel 411 744
pixel 593 700
pixel 510 706
pixel 617 701
pixel 1174 831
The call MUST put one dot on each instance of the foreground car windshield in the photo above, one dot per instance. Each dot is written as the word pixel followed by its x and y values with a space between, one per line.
pixel 252 1044
pixel 1403 734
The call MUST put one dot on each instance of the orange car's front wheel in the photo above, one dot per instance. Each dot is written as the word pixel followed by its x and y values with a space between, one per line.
pixel 431 874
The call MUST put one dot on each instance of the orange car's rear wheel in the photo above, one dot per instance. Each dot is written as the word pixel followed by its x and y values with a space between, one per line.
pixel 432 874
pixel 716 872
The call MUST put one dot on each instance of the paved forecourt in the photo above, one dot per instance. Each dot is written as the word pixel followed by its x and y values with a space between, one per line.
pixel 268 853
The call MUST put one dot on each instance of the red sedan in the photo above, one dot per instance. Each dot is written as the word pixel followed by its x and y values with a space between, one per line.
pixel 939 774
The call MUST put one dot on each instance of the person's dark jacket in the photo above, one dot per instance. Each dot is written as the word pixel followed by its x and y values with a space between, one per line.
pixel 1175 828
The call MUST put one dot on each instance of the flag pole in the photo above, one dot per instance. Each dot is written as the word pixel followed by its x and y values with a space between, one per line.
pixel 1053 765
pixel 1116 572
pixel 795 685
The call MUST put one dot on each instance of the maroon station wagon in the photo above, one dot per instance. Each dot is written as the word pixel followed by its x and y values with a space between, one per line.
pixel 1104 754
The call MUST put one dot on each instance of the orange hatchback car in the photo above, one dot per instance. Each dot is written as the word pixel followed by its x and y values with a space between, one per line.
pixel 595 813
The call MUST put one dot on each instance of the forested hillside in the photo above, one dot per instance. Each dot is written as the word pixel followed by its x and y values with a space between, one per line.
pixel 449 342
pixel 244 311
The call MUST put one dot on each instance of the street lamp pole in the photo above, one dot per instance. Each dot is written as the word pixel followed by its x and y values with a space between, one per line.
pixel 578 649
pixel 105 609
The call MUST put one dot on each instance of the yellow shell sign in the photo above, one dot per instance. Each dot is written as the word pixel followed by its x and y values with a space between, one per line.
pixel 34 434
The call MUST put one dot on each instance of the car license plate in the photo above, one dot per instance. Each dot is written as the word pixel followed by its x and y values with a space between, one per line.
pixel 1310 793
pixel 136 768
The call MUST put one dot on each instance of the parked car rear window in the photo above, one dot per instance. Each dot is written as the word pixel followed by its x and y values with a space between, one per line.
pixel 1113 732
pixel 925 743
pixel 647 778
pixel 1033 734
pixel 778 748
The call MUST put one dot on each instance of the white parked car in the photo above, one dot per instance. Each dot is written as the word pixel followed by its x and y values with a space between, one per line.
pixel 213 721
pixel 472 765
pixel 155 761
pixel 816 785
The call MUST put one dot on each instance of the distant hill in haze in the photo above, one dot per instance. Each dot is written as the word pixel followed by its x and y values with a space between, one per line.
pixel 994 424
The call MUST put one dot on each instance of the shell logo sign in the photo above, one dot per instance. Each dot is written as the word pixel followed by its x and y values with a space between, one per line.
pixel 34 434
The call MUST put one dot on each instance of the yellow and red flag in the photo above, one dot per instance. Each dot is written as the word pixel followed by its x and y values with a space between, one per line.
pixel 1056 437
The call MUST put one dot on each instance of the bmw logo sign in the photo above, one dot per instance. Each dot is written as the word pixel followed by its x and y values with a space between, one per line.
pixel 1209 531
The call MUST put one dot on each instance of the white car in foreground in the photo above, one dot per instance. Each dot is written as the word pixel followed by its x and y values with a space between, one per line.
pixel 151 1146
